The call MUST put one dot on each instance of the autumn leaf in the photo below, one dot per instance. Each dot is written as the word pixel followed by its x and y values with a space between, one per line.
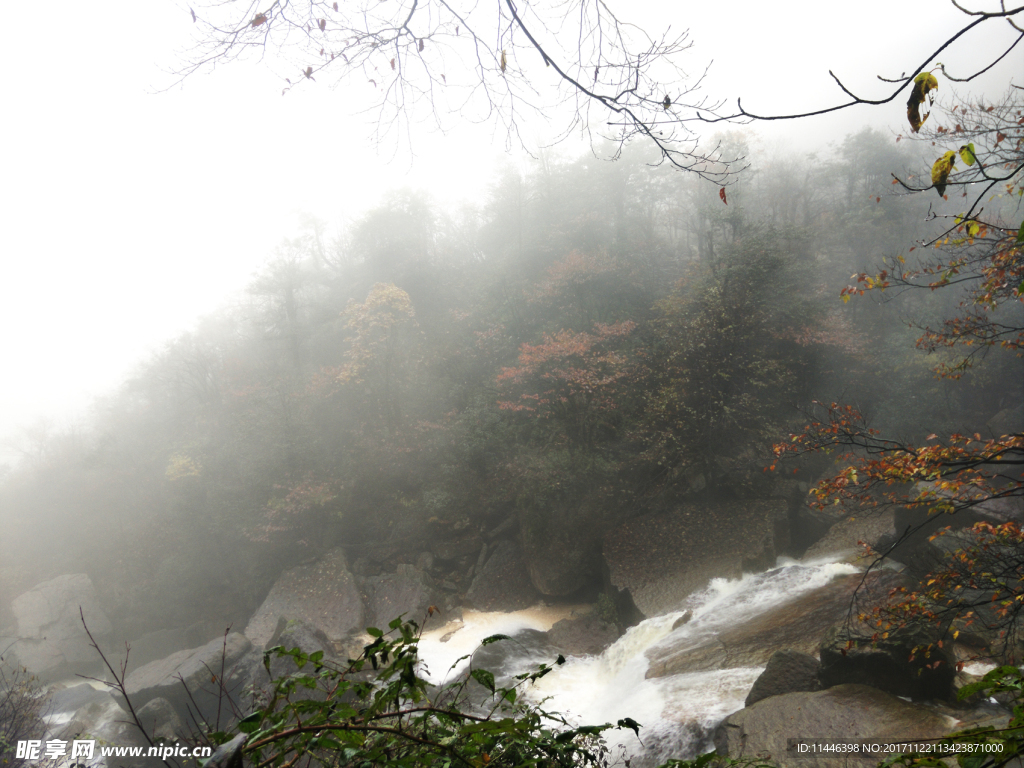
pixel 308 72
pixel 967 154
pixel 323 24
pixel 392 65
pixel 504 61
pixel 193 15
pixel 421 46
pixel 923 83
pixel 721 194
pixel 258 19
pixel 335 6
pixel 941 170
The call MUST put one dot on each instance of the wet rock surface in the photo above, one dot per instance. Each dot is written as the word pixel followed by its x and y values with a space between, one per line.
pixel 662 557
pixel 585 635
pixel 799 625
pixel 787 671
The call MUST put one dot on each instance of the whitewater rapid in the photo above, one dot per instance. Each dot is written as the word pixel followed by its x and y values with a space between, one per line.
pixel 678 713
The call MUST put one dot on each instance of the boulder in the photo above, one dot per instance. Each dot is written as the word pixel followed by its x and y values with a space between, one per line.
pixel 323 593
pixel 160 644
pixel 1008 421
pixel 561 548
pixel 663 557
pixel 161 721
pixel 788 671
pixel 51 641
pixel 449 549
pixel 503 583
pixel 304 636
pixel 843 713
pixel 847 536
pixel 198 670
pixel 890 664
pixel 585 635
pixel 407 592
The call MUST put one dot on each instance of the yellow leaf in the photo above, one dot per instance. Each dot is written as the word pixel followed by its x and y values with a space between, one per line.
pixel 923 83
pixel 504 61
pixel 941 170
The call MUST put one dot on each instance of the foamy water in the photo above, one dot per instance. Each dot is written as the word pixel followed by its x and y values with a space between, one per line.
pixel 677 713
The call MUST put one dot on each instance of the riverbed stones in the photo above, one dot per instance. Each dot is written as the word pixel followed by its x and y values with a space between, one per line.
pixel 51 640
pixel 788 671
pixel 323 593
pixel 845 713
pixel 663 557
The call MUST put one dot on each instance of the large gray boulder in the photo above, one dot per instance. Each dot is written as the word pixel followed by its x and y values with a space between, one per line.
pixel 161 722
pixel 198 670
pixel 901 664
pixel 848 535
pixel 51 640
pixel 586 635
pixel 788 671
pixel 663 557
pixel 304 636
pixel 561 547
pixel 324 594
pixel 408 592
pixel 160 644
pixel 503 583
pixel 843 713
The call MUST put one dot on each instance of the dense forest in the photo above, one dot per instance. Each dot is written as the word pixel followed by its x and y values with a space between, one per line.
pixel 592 341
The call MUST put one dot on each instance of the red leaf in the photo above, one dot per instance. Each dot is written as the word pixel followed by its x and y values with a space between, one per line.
pixel 721 194
pixel 323 24
pixel 392 64
pixel 258 19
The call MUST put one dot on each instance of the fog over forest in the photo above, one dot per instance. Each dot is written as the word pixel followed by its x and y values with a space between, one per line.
pixel 677 401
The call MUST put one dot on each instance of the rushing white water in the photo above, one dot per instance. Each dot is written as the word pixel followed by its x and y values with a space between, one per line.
pixel 677 713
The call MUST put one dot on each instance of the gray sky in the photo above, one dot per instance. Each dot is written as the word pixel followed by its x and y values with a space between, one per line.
pixel 126 212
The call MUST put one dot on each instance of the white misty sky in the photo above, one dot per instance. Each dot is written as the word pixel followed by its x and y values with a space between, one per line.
pixel 126 212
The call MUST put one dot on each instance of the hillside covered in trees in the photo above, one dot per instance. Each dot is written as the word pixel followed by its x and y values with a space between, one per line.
pixel 592 342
